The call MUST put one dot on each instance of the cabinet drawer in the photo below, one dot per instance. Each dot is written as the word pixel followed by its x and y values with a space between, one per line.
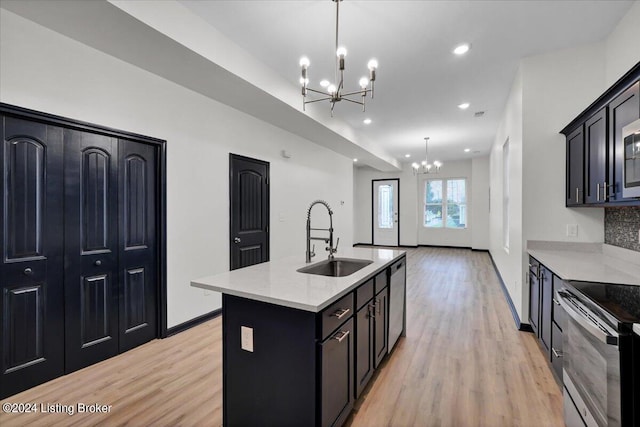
pixel 381 279
pixel 559 315
pixel 364 293
pixel 556 351
pixel 336 314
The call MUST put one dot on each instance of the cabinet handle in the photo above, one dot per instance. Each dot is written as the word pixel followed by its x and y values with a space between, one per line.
pixel 556 353
pixel 371 311
pixel 577 195
pixel 28 271
pixel 98 263
pixel 377 305
pixel 341 312
pixel 597 192
pixel 340 336
pixel 555 301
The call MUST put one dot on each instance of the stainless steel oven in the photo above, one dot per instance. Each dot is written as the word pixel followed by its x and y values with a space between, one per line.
pixel 631 163
pixel 591 368
pixel 598 359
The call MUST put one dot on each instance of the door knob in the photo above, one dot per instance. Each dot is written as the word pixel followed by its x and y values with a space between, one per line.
pixel 28 271
pixel 98 263
pixel 236 240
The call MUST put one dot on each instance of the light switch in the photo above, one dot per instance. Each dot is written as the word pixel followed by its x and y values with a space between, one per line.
pixel 246 338
pixel 572 230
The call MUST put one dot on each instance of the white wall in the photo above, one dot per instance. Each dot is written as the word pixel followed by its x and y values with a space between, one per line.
pixel 622 51
pixel 480 201
pixel 362 177
pixel 508 261
pixel 45 71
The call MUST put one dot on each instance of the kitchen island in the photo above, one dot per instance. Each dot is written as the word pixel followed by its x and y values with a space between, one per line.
pixel 299 348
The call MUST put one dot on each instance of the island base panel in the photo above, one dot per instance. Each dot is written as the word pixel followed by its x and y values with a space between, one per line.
pixel 275 384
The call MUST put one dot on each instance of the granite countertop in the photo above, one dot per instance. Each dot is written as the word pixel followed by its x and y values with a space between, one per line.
pixel 278 282
pixel 588 262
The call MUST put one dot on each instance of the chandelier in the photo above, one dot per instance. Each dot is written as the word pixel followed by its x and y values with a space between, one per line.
pixel 425 167
pixel 335 92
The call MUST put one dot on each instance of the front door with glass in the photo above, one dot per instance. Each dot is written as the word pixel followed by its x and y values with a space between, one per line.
pixel 386 223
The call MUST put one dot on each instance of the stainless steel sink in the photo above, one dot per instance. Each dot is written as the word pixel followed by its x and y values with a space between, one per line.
pixel 336 267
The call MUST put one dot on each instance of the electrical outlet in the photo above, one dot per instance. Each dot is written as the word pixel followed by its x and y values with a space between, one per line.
pixel 572 230
pixel 246 338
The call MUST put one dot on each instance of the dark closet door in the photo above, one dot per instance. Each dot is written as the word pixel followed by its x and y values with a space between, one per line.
pixel 249 211
pixel 138 204
pixel 91 248
pixel 31 268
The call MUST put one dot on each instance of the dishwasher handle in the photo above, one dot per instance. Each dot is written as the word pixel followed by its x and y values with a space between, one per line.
pixel 586 318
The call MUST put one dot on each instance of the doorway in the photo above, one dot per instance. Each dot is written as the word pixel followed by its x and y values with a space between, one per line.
pixel 385 212
pixel 248 211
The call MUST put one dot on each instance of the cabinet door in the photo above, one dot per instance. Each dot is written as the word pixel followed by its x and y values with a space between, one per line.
pixel 575 168
pixel 138 249
pixel 91 248
pixel 546 290
pixel 364 347
pixel 381 321
pixel 624 109
pixel 336 355
pixel 534 301
pixel 596 158
pixel 31 266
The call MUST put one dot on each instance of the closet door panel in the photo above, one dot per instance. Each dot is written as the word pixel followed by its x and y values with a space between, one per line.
pixel 31 267
pixel 91 248
pixel 137 169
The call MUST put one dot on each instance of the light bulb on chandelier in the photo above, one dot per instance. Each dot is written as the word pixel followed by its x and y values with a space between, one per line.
pixel 425 167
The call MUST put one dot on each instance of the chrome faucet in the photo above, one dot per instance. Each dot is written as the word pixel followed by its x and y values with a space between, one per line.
pixel 331 249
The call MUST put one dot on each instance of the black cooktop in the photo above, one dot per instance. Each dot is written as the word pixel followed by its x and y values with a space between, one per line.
pixel 620 301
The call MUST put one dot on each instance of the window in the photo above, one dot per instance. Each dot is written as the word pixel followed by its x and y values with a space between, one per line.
pixel 445 203
pixel 385 206
pixel 505 195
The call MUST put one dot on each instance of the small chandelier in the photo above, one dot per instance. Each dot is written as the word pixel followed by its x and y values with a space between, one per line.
pixel 425 167
pixel 335 92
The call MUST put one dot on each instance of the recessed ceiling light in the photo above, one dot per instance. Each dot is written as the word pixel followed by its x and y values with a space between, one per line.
pixel 366 121
pixel 407 155
pixel 462 49
pixel 466 150
pixel 463 106
pixel 355 160
pixel 324 83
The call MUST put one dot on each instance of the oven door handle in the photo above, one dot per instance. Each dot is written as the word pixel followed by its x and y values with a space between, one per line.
pixel 568 303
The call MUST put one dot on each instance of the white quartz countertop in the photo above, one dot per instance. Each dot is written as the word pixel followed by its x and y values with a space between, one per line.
pixel 636 328
pixel 590 263
pixel 278 282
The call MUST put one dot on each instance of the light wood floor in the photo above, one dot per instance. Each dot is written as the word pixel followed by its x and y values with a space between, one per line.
pixel 463 363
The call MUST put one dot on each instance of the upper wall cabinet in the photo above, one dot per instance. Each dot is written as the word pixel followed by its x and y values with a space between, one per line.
pixel 595 146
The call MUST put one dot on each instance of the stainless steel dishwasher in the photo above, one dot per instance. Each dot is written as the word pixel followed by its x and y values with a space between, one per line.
pixel 397 285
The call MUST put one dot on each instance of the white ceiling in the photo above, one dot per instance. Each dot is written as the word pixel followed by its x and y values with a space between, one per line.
pixel 420 82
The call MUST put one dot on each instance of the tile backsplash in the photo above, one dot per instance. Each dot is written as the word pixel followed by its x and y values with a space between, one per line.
pixel 621 227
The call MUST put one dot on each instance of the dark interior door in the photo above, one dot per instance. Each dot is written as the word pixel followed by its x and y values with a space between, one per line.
pixel 91 248
pixel 31 269
pixel 137 182
pixel 249 211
